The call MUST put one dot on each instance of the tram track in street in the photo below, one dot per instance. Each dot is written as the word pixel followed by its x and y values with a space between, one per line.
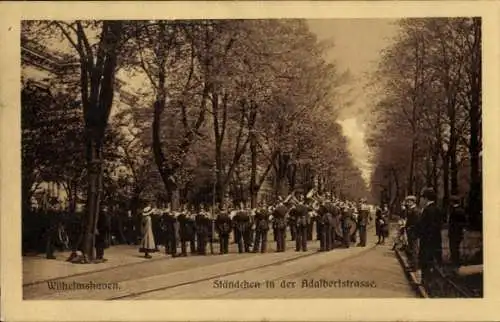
pixel 307 271
pixel 247 270
pixel 216 276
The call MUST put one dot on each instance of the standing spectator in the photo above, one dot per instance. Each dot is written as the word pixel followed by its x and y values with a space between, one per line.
pixel 147 242
pixel 429 232
pixel 456 225
pixel 412 218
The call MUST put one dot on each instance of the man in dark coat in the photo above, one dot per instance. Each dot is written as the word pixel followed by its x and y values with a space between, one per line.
pixel 169 227
pixel 279 224
pixel 261 229
pixel 412 218
pixel 429 232
pixel 302 218
pixel 223 226
pixel 202 228
pixel 242 226
pixel 456 225
pixel 103 234
pixel 363 217
pixel 324 221
pixel 187 233
pixel 347 223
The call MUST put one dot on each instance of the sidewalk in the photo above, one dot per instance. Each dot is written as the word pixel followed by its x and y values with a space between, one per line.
pixel 37 268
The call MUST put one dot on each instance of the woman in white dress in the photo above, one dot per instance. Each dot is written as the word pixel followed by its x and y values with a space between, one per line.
pixel 148 241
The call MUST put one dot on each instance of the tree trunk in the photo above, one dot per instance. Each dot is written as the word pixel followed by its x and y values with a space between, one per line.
pixel 453 159
pixel 446 179
pixel 412 167
pixel 475 146
pixel 94 165
pixel 253 172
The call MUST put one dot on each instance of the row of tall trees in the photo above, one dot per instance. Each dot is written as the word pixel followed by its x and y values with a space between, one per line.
pixel 219 109
pixel 427 123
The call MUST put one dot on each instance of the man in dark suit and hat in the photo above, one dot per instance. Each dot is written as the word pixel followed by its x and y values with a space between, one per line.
pixel 429 232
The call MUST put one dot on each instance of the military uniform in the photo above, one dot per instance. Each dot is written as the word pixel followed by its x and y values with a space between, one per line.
pixel 242 225
pixel 169 227
pixel 302 220
pixel 279 224
pixel 203 226
pixel 261 230
pixel 346 226
pixel 223 226
pixel 187 233
pixel 325 221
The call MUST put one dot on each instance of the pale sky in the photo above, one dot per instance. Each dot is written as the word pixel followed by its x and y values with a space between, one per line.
pixel 357 46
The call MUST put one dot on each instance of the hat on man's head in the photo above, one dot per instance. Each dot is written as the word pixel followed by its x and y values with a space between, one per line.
pixel 428 193
pixel 411 198
pixel 147 211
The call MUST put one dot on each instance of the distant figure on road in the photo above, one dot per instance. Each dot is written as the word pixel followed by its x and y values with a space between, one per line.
pixel 456 226
pixel 382 225
pixel 429 232
pixel 147 242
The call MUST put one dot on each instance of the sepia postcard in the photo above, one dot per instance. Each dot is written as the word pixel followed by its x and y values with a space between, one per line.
pixel 250 161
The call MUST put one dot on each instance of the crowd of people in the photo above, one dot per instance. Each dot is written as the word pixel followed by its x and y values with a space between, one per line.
pixel 338 223
pixel 420 231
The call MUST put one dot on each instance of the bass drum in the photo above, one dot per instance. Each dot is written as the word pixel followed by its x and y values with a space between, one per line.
pixel 352 232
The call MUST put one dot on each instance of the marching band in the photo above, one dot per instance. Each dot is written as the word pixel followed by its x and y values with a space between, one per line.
pixel 335 220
